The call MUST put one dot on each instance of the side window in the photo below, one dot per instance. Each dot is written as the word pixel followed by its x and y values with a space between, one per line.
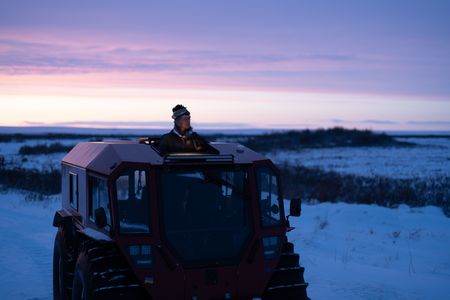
pixel 268 194
pixel 98 197
pixel 73 183
pixel 133 201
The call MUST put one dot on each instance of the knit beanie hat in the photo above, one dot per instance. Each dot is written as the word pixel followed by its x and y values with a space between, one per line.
pixel 179 110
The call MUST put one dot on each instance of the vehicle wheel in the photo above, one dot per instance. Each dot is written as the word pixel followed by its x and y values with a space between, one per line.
pixel 62 268
pixel 287 282
pixel 102 273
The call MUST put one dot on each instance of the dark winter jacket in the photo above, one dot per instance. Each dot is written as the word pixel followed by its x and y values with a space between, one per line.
pixel 173 142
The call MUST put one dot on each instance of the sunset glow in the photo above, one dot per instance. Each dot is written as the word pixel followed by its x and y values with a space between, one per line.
pixel 256 65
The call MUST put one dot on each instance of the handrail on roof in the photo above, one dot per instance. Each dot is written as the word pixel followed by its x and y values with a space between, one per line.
pixel 210 155
pixel 198 157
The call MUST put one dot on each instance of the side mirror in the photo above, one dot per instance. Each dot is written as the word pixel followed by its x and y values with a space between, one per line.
pixel 100 217
pixel 295 208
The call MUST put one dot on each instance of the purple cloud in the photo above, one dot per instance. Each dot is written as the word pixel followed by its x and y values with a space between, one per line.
pixel 352 46
pixel 137 124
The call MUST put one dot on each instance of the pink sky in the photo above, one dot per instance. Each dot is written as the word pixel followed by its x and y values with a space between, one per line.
pixel 252 65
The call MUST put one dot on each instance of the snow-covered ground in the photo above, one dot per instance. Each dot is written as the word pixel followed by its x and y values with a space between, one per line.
pixel 428 160
pixel 354 251
pixel 349 251
pixel 26 247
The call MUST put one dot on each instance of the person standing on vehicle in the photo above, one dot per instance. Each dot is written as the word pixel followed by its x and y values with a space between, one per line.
pixel 181 138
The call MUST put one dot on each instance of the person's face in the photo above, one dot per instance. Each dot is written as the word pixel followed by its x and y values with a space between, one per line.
pixel 184 122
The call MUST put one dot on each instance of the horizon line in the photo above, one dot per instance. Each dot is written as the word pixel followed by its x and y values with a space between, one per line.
pixel 244 131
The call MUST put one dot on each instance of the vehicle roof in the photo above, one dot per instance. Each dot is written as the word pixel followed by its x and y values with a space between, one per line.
pixel 104 157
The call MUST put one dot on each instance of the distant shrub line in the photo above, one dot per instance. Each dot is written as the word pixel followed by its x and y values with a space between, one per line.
pixel 285 140
pixel 45 149
pixel 329 186
pixel 306 183
pixel 46 183
pixel 321 138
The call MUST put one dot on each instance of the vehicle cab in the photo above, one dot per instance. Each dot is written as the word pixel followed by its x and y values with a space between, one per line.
pixel 190 225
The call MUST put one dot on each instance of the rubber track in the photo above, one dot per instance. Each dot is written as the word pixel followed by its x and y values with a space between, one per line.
pixel 112 278
pixel 287 281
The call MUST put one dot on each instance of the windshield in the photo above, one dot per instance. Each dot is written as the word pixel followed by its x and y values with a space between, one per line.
pixel 205 212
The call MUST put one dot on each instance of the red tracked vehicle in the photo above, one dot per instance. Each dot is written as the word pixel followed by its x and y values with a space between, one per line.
pixel 136 224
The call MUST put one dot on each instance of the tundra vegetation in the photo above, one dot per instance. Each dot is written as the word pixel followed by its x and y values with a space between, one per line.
pixel 311 184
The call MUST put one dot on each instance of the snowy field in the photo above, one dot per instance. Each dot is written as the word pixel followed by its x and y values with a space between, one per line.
pixel 26 239
pixel 354 251
pixel 431 158
pixel 44 162
pixel 349 251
